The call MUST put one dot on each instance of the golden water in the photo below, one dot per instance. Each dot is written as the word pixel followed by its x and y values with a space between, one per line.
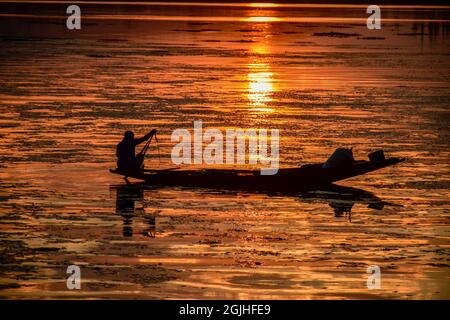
pixel 67 96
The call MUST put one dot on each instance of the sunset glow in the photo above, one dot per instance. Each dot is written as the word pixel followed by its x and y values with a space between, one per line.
pixel 260 85
pixel 263 5
pixel 263 19
pixel 136 138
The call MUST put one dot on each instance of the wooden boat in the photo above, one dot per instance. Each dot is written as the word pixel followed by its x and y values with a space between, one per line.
pixel 304 177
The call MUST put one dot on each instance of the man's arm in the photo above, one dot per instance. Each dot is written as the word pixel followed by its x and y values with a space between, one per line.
pixel 145 138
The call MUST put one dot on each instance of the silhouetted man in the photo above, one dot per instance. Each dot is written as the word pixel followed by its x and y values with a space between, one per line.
pixel 126 153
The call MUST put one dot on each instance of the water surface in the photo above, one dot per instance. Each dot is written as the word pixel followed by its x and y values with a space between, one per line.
pixel 316 73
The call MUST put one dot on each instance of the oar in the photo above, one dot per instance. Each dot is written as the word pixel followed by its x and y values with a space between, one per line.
pixel 147 145
pixel 159 153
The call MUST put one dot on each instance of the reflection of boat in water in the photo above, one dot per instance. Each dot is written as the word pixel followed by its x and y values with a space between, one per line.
pixel 129 204
pixel 340 198
pixel 287 179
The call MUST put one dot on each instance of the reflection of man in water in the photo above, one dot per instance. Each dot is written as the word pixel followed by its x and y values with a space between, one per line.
pixel 126 199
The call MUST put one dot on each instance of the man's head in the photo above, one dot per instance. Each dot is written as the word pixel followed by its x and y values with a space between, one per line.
pixel 129 134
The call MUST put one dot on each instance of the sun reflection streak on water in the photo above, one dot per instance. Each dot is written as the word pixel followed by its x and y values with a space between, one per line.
pixel 260 77
pixel 260 86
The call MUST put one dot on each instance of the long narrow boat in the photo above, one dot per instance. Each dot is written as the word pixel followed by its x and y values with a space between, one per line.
pixel 306 176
